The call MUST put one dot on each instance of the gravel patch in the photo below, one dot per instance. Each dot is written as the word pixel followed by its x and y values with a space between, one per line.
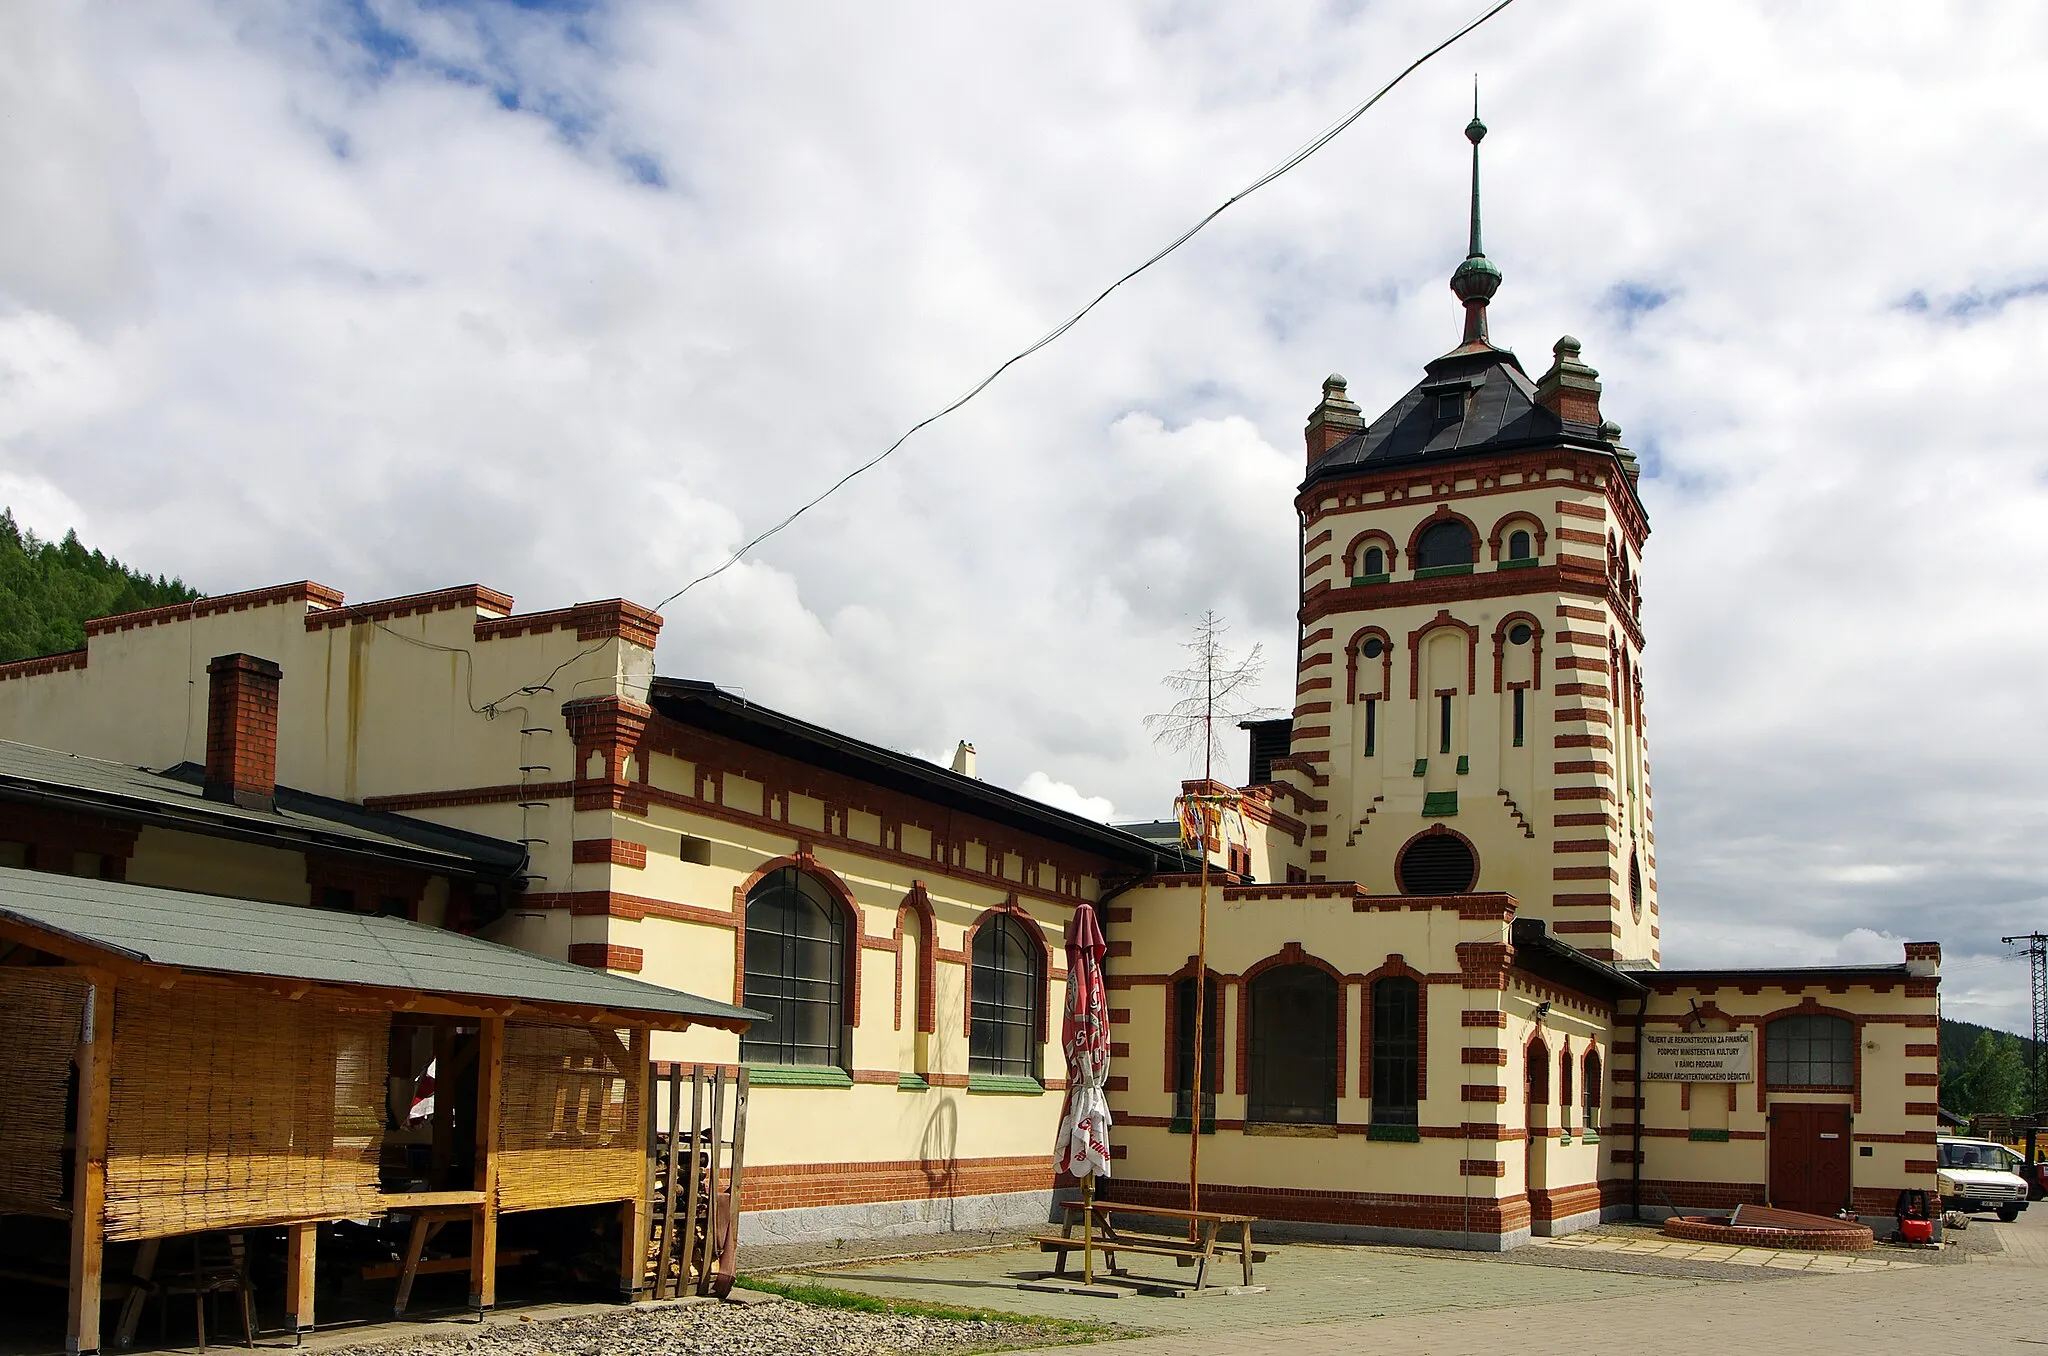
pixel 782 1328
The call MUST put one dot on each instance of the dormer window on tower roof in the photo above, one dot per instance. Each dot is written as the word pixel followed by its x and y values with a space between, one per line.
pixel 1450 406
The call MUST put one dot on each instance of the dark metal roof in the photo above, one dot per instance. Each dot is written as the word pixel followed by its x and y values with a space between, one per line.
pixel 1546 957
pixel 1501 415
pixel 176 799
pixel 222 935
pixel 706 707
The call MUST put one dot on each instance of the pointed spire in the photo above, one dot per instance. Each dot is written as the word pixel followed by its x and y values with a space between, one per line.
pixel 1476 280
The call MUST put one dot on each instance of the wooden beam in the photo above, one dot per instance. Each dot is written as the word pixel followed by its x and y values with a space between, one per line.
pixel 483 1219
pixel 302 1244
pixel 634 1213
pixel 89 1170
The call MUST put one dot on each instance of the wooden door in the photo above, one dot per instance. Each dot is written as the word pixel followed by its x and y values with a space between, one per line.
pixel 1809 1157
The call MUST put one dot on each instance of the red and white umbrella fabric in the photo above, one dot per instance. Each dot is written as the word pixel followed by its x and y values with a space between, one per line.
pixel 1082 1151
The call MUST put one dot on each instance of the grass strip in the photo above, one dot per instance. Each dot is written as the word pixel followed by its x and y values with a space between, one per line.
pixel 827 1298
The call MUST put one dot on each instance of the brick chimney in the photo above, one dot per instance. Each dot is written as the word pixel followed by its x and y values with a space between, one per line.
pixel 241 730
pixel 1331 422
pixel 1570 389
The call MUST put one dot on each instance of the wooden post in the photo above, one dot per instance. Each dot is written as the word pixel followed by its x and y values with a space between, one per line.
pixel 89 1169
pixel 664 1287
pixel 741 1085
pixel 302 1245
pixel 633 1212
pixel 717 1128
pixel 690 1200
pixel 483 1219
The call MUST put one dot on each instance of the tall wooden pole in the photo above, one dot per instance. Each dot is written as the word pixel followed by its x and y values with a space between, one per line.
pixel 89 1169
pixel 483 1232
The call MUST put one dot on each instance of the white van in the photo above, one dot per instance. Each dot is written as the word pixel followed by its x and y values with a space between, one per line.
pixel 1977 1174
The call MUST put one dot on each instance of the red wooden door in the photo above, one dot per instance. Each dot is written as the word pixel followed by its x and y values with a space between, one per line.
pixel 1809 1157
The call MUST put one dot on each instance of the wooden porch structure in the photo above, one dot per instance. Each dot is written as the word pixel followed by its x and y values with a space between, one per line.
pixel 230 1064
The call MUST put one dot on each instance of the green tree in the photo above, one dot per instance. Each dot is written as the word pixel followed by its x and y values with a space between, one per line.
pixel 1990 1077
pixel 49 590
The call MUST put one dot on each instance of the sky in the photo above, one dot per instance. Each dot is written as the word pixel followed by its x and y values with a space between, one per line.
pixel 571 299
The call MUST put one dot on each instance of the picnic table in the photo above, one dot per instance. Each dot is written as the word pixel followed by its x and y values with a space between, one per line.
pixel 1196 1247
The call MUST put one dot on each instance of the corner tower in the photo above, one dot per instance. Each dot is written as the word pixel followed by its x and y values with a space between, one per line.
pixel 1469 702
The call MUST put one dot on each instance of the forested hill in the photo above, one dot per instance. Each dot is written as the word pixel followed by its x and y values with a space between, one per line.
pixel 1983 1069
pixel 49 590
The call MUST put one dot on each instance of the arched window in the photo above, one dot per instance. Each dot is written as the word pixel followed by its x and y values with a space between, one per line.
pixel 1635 885
pixel 1590 1089
pixel 1520 546
pixel 795 972
pixel 1564 1087
pixel 1396 1050
pixel 1538 1073
pixel 1437 864
pixel 1373 562
pixel 1292 1014
pixel 1003 1036
pixel 1184 1052
pixel 1816 1051
pixel 1446 543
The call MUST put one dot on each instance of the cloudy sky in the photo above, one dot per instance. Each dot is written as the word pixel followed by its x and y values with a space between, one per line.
pixel 572 298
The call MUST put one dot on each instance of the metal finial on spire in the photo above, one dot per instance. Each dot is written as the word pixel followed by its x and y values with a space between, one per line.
pixel 1476 280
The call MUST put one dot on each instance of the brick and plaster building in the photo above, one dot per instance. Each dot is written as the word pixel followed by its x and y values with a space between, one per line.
pixel 1433 969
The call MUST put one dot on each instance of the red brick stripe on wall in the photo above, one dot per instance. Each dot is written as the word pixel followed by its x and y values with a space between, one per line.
pixel 800 1185
pixel 606 956
pixel 1444 1214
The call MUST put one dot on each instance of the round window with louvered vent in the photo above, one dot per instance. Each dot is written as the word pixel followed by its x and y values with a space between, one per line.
pixel 1635 885
pixel 1437 864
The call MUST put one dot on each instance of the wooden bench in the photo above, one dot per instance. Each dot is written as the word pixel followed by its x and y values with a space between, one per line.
pixel 1196 1248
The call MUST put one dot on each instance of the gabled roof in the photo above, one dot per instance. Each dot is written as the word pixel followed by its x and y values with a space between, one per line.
pixel 244 937
pixel 1500 415
pixel 709 708
pixel 176 799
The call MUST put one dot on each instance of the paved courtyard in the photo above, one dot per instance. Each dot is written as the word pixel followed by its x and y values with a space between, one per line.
pixel 1616 1289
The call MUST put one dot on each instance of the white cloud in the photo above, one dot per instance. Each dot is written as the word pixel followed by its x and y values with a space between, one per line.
pixel 1061 796
pixel 573 299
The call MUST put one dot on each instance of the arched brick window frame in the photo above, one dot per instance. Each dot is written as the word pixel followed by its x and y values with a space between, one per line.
pixel 1442 619
pixel 1395 965
pixel 1223 983
pixel 1444 513
pixel 1435 830
pixel 924 1015
pixel 1012 909
pixel 1354 659
pixel 1536 1073
pixel 837 889
pixel 1500 649
pixel 1517 519
pixel 1592 1087
pixel 1354 554
pixel 1808 1007
pixel 1290 954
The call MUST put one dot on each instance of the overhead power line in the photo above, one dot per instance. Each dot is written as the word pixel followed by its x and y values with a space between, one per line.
pixel 1314 144
pixel 1292 162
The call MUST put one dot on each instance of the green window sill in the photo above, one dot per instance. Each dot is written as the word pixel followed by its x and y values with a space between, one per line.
pixel 911 1083
pixel 1520 564
pixel 1359 581
pixel 1011 1085
pixel 1708 1136
pixel 1564 1139
pixel 797 1076
pixel 1421 766
pixel 1589 1138
pixel 1395 1134
pixel 1439 804
pixel 1439 571
pixel 1179 1125
pixel 1464 764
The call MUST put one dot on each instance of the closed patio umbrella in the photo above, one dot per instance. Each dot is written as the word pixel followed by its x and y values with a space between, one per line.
pixel 1082 1150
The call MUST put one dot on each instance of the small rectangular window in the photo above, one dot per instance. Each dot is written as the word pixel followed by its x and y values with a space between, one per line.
pixel 87 864
pixel 1443 724
pixel 1372 725
pixel 13 854
pixel 1450 405
pixel 1520 707
pixel 338 898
